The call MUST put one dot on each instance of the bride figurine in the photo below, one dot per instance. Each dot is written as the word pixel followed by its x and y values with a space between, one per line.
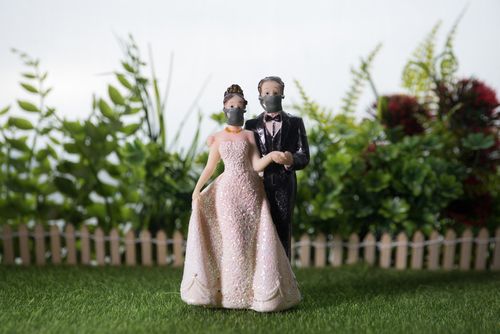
pixel 234 258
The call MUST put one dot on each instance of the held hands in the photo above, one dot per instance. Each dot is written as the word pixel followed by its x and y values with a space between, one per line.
pixel 283 158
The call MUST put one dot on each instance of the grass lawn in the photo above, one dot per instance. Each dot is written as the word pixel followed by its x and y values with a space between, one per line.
pixel 354 299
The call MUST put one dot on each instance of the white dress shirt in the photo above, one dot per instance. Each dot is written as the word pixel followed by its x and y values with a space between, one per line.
pixel 273 127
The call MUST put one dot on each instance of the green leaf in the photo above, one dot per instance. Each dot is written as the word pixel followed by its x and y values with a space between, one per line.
pixel 4 110
pixel 97 210
pixel 29 88
pixel 131 128
pixel 128 68
pixel 20 123
pixel 131 111
pixel 46 92
pixel 395 209
pixel 19 143
pixel 73 126
pixel 478 141
pixel 106 109
pixel 375 181
pixel 115 95
pixel 66 186
pixel 42 154
pixel 54 140
pixel 28 106
pixel 123 80
pixel 29 75
pixel 71 148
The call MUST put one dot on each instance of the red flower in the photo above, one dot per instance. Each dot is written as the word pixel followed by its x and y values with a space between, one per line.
pixel 403 110
pixel 478 105
pixel 372 147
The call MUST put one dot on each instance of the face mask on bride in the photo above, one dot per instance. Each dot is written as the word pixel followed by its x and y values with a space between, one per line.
pixel 235 116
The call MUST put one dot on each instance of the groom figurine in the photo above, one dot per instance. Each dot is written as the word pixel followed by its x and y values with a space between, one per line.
pixel 277 130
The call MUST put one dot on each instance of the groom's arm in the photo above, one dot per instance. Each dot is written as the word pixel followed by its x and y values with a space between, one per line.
pixel 301 155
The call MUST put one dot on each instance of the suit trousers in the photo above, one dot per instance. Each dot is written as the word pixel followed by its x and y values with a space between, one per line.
pixel 281 190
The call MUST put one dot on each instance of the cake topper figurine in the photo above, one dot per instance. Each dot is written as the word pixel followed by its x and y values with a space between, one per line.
pixel 277 130
pixel 234 257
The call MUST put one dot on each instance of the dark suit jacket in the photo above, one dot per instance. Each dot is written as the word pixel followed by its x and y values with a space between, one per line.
pixel 293 138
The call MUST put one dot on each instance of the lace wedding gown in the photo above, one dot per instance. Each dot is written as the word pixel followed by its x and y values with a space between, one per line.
pixel 234 258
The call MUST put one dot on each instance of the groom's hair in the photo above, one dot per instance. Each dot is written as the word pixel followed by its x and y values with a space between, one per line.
pixel 272 78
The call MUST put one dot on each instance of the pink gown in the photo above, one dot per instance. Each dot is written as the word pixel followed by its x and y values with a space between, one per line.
pixel 234 258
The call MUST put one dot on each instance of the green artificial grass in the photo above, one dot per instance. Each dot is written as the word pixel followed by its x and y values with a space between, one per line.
pixel 354 299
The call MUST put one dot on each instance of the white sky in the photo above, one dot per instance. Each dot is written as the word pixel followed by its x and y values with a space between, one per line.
pixel 315 42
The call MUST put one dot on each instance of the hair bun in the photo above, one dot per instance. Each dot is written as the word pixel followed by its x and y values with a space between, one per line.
pixel 234 89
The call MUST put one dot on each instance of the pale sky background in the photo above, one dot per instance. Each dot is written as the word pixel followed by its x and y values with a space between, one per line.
pixel 229 42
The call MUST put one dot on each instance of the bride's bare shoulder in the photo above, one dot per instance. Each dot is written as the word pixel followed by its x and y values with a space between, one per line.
pixel 214 138
pixel 250 136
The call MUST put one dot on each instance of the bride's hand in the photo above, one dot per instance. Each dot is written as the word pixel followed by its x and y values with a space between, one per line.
pixel 196 195
pixel 278 157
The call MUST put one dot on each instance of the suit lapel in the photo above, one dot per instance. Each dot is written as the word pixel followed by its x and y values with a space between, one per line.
pixel 261 133
pixel 285 126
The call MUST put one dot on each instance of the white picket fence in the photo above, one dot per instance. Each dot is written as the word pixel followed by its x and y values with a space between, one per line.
pixel 447 252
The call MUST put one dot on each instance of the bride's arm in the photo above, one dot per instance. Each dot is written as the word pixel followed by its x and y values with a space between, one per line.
pixel 208 171
pixel 258 163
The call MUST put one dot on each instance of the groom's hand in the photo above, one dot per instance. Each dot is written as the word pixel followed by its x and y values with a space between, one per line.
pixel 283 158
pixel 288 158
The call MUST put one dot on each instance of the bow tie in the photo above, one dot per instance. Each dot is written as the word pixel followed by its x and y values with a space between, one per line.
pixel 276 118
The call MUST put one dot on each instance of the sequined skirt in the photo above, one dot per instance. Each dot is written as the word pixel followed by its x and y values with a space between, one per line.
pixel 234 258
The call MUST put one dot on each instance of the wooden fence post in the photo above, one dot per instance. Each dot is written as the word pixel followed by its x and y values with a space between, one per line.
pixel 178 249
pixel 417 252
pixel 336 251
pixel 465 249
pixel 99 246
pixel 481 248
pixel 85 245
pixel 55 244
pixel 401 251
pixel 70 244
pixel 114 237
pixel 369 251
pixel 449 250
pixel 320 250
pixel 433 255
pixel 385 250
pixel 495 265
pixel 145 237
pixel 39 245
pixel 353 249
pixel 130 248
pixel 305 251
pixel 24 245
pixel 161 248
pixel 8 245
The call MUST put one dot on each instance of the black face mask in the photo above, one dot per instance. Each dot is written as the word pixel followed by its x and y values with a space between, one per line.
pixel 234 116
pixel 271 103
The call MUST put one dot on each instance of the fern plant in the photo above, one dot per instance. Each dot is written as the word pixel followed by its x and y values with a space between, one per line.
pixel 426 71
pixel 360 76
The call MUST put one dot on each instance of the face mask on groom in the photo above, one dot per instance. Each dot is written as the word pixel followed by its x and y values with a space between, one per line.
pixel 271 103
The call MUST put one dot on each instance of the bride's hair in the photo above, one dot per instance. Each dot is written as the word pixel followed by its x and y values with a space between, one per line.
pixel 233 90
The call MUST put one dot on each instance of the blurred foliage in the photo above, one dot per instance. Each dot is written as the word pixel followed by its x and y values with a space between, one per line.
pixel 426 159
pixel 112 169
